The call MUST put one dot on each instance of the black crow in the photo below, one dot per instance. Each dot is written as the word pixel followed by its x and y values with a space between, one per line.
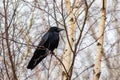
pixel 48 43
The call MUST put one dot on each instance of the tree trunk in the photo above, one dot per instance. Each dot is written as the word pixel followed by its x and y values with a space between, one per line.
pixel 72 14
pixel 97 66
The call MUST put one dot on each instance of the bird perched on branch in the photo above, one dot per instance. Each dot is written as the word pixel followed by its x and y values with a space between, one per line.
pixel 48 43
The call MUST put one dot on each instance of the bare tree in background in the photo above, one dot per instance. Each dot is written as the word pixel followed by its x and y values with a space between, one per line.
pixel 70 30
pixel 97 67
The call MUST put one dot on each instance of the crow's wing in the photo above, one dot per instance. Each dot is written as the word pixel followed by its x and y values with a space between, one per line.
pixel 44 39
pixel 39 54
pixel 37 58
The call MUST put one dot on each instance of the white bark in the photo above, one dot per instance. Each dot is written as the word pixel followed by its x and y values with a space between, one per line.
pixel 99 54
pixel 71 33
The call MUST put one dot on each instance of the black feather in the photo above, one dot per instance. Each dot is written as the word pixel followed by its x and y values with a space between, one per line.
pixel 48 42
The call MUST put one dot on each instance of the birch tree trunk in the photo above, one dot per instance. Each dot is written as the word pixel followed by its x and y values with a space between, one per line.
pixel 71 33
pixel 97 66
pixel 67 50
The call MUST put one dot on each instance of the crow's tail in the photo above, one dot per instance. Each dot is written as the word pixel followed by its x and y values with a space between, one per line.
pixel 38 56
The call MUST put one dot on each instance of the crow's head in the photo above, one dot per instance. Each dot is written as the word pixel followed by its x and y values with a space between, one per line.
pixel 55 29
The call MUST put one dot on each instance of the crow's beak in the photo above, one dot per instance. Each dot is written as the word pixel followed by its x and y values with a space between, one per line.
pixel 59 29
